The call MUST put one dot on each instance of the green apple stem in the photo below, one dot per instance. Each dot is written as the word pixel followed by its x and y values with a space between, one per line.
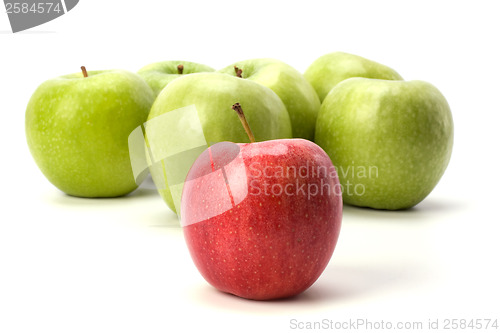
pixel 243 119
pixel 84 71
pixel 180 69
pixel 238 71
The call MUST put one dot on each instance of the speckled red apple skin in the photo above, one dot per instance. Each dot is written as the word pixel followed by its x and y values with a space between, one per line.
pixel 267 246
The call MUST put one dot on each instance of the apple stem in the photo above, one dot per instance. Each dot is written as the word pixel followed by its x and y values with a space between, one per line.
pixel 238 71
pixel 84 71
pixel 237 107
pixel 180 69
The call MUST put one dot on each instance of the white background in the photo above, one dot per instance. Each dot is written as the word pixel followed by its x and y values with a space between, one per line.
pixel 120 265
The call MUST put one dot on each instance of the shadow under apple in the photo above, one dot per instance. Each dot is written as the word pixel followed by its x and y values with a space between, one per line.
pixel 144 207
pixel 421 213
pixel 339 285
pixel 145 191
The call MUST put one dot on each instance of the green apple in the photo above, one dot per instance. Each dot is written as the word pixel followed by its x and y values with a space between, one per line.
pixel 390 141
pixel 159 74
pixel 213 95
pixel 77 129
pixel 297 94
pixel 328 70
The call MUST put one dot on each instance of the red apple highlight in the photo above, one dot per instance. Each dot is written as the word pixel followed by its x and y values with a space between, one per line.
pixel 261 220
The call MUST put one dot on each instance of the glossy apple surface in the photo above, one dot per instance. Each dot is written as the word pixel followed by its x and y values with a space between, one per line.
pixel 330 69
pixel 297 94
pixel 213 95
pixel 261 220
pixel 391 141
pixel 77 130
pixel 159 74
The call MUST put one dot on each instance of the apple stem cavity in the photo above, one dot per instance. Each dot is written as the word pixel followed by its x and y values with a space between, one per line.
pixel 238 71
pixel 180 69
pixel 84 71
pixel 237 107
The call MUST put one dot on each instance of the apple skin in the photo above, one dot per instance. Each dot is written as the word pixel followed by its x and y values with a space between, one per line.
pixel 330 69
pixel 297 94
pixel 159 74
pixel 262 245
pixel 77 130
pixel 213 94
pixel 403 130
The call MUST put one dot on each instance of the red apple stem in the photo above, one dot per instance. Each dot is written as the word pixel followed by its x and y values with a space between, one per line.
pixel 84 71
pixel 238 71
pixel 180 69
pixel 237 107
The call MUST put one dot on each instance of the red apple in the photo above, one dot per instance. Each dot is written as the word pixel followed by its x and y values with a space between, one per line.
pixel 261 220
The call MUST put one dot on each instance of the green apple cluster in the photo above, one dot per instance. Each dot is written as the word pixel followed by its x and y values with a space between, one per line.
pixel 78 125
pixel 389 139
